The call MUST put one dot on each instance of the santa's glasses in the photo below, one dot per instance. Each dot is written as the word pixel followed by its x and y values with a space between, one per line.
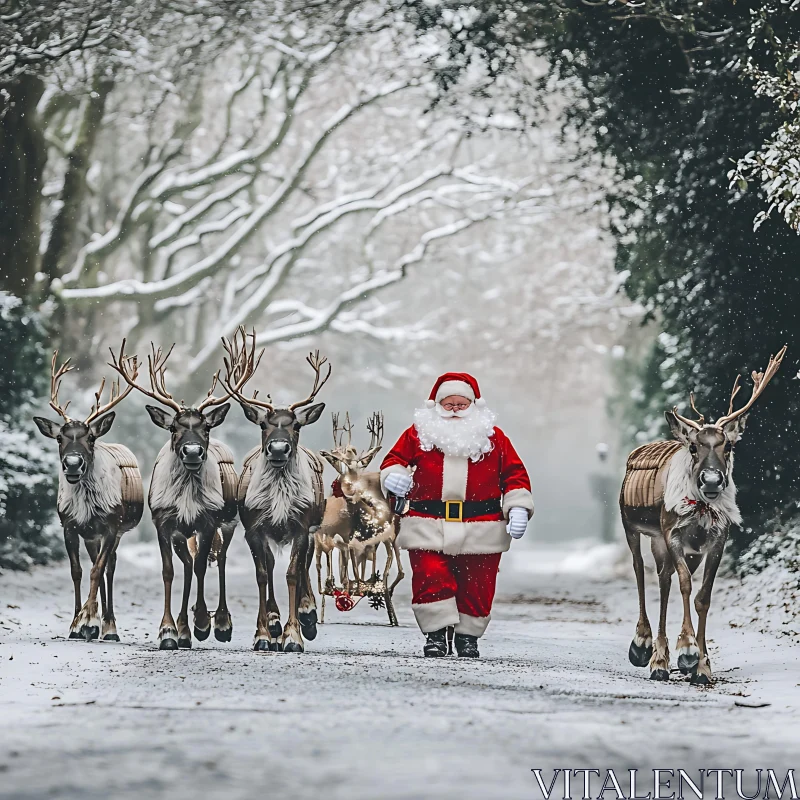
pixel 455 406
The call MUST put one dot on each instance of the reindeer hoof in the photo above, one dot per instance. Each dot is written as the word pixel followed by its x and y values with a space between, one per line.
pixel 687 662
pixel 659 675
pixel 168 644
pixel 700 679
pixel 202 635
pixel 75 635
pixel 275 629
pixel 185 644
pixel 262 645
pixel 275 647
pixel 91 632
pixel 223 635
pixel 639 655
pixel 292 647
pixel 308 624
pixel 111 637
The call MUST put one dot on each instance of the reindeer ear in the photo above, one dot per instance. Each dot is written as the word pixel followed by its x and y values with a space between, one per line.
pixel 309 414
pixel 47 427
pixel 253 413
pixel 733 430
pixel 330 458
pixel 100 427
pixel 216 416
pixel 680 431
pixel 159 417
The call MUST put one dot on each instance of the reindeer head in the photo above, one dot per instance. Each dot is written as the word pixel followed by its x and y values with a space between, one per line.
pixel 711 444
pixel 190 427
pixel 346 460
pixel 75 438
pixel 280 427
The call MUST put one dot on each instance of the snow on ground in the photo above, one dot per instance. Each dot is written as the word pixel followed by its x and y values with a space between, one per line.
pixel 361 714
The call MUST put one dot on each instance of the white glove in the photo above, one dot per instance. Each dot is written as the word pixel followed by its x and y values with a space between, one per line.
pixel 398 483
pixel 517 522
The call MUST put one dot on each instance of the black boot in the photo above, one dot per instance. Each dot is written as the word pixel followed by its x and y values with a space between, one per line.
pixel 466 646
pixel 436 645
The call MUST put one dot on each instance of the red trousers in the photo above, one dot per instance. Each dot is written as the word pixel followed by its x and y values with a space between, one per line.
pixel 453 590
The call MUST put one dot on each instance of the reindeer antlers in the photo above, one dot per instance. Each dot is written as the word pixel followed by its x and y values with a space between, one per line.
pixel 240 365
pixel 316 364
pixel 375 428
pixel 115 397
pixel 760 380
pixel 55 385
pixel 156 365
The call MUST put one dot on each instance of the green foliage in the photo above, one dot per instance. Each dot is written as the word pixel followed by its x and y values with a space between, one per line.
pixel 29 531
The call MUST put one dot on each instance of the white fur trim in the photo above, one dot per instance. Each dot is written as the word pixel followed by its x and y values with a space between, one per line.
pixel 461 388
pixel 480 402
pixel 437 615
pixel 387 471
pixel 680 484
pixel 453 538
pixel 518 498
pixel 454 478
pixel 97 493
pixel 430 403
pixel 190 493
pixel 472 626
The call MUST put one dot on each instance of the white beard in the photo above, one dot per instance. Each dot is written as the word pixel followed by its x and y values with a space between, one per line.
pixel 463 436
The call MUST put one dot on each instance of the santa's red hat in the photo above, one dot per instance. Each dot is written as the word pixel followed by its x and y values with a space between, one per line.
pixel 460 383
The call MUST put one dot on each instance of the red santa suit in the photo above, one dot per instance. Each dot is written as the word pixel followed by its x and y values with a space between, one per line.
pixel 455 546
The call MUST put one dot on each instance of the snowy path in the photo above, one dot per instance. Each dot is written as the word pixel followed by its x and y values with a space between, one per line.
pixel 361 714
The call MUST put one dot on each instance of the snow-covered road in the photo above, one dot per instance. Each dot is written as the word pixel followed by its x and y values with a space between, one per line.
pixel 361 714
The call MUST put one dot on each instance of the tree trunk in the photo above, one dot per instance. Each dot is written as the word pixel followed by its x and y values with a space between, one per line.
pixel 22 160
pixel 60 245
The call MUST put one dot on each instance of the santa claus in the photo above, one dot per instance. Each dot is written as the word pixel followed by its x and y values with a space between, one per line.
pixel 469 495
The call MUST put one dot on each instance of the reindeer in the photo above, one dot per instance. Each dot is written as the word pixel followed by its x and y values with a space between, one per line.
pixel 99 498
pixel 359 521
pixel 281 502
pixel 192 490
pixel 681 494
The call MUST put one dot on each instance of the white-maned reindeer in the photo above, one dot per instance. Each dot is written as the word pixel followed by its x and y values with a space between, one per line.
pixel 680 494
pixel 193 490
pixel 358 518
pixel 99 498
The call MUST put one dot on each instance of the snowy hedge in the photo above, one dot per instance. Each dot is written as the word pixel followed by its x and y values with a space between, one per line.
pixel 29 530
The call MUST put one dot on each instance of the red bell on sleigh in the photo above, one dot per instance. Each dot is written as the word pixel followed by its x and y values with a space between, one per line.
pixel 343 601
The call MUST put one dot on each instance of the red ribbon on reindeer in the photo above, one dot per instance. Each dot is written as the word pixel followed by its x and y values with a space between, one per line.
pixel 703 508
pixel 343 600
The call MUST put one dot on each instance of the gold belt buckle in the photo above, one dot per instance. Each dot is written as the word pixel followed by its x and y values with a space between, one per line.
pixel 459 509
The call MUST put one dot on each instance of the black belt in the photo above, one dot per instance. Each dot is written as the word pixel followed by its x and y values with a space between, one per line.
pixel 455 510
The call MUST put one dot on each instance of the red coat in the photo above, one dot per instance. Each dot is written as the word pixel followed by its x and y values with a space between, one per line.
pixel 499 474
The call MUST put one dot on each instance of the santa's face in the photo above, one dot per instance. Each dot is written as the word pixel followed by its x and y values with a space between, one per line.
pixel 456 426
pixel 454 406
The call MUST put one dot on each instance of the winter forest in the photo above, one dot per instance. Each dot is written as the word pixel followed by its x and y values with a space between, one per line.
pixel 593 207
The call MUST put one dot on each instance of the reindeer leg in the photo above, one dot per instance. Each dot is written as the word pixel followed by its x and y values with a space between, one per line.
pixel 183 549
pixel 109 632
pixel 167 632
pixel 93 549
pixel 686 647
pixel 659 662
pixel 641 649
pixel 307 606
pixel 202 619
pixel 89 619
pixel 292 638
pixel 72 542
pixel 702 602
pixel 318 561
pixel 264 562
pixel 223 625
pixel 400 573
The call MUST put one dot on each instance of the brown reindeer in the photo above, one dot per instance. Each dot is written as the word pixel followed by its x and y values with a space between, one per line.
pixel 361 519
pixel 681 494
pixel 281 502
pixel 193 490
pixel 99 498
